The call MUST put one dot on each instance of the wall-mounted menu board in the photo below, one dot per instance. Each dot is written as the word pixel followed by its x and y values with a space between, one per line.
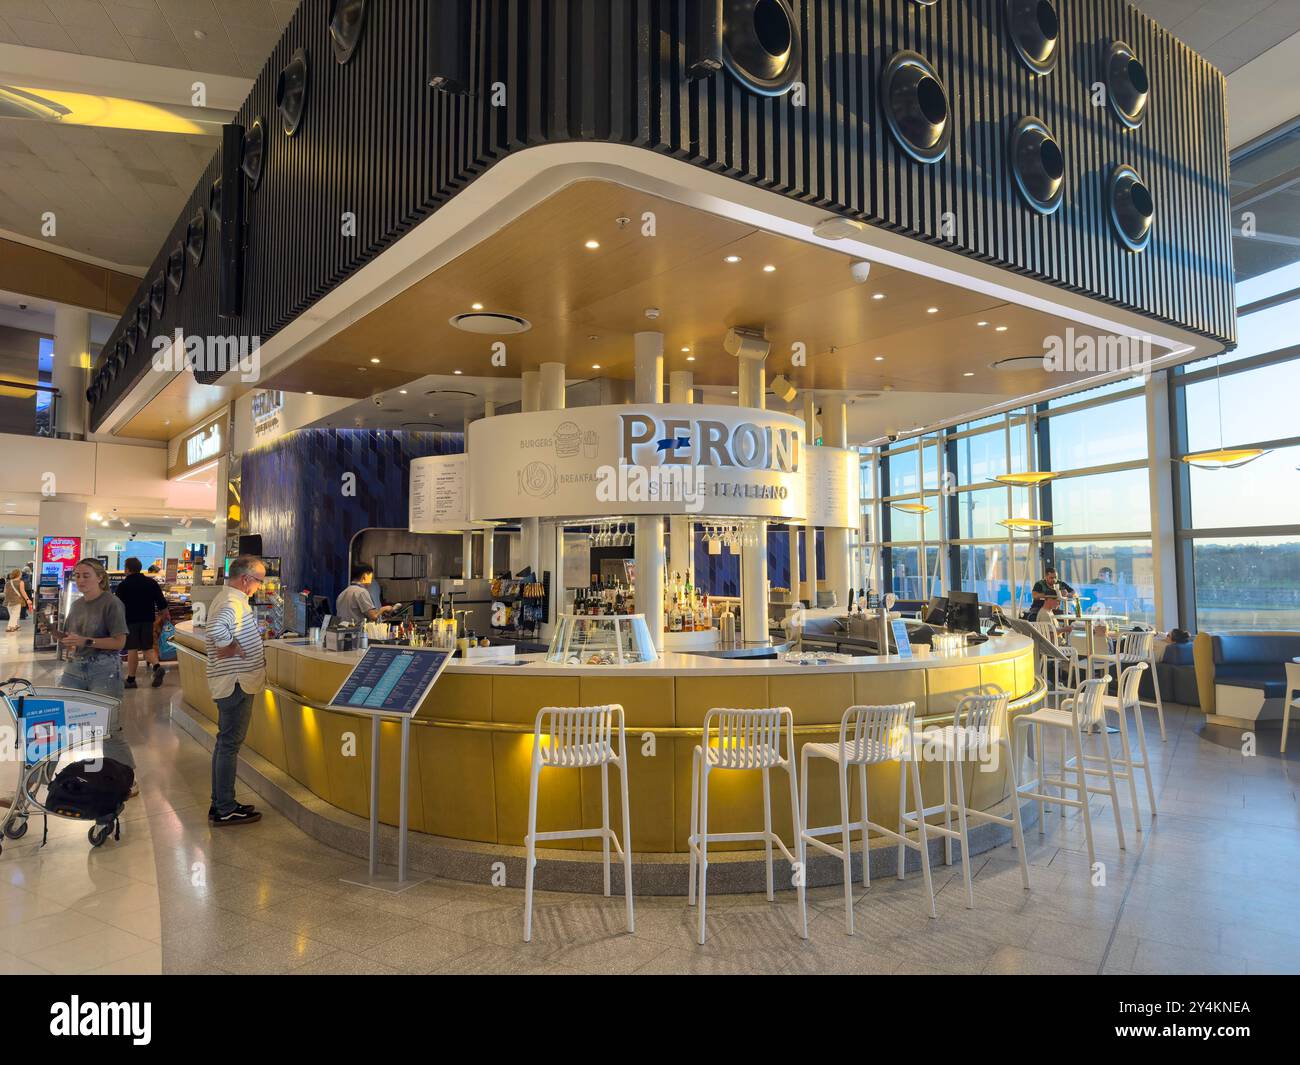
pixel 439 494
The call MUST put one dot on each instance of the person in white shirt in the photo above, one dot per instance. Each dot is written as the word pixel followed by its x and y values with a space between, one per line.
pixel 236 673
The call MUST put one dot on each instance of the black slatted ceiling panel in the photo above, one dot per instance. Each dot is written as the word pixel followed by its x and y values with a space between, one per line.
pixel 378 143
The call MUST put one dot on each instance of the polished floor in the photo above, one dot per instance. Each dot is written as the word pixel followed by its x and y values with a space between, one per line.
pixel 1213 887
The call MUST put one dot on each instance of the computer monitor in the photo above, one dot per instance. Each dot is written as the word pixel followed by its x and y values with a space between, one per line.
pixel 963 612
pixel 937 612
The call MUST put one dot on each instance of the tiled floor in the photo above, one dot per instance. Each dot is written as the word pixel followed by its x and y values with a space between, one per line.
pixel 1213 887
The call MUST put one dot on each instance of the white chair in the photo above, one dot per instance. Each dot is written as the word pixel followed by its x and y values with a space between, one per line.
pixel 1127 699
pixel 1130 649
pixel 579 738
pixel 743 741
pixel 1292 698
pixel 869 735
pixel 1067 660
pixel 1083 710
pixel 978 733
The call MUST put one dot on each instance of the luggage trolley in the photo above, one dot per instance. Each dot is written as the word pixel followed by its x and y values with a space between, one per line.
pixel 49 723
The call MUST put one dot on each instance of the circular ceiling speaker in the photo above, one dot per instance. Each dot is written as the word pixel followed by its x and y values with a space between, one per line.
pixel 916 107
pixel 489 324
pixel 1132 208
pixel 761 45
pixel 347 23
pixel 1038 165
pixel 1127 85
pixel 196 238
pixel 1019 363
pixel 1035 30
pixel 176 268
pixel 254 153
pixel 143 317
pixel 291 93
pixel 158 295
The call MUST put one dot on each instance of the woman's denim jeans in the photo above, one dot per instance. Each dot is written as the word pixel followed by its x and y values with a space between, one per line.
pixel 102 674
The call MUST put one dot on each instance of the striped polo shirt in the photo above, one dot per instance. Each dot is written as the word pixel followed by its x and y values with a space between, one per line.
pixel 231 618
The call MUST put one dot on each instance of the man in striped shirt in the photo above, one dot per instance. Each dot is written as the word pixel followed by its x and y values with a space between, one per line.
pixel 236 673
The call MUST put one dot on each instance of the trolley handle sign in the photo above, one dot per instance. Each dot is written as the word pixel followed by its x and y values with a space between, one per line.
pixel 48 727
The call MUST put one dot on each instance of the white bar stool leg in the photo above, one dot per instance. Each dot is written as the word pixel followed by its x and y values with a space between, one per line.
pixel 902 825
pixel 627 843
pixel 800 852
pixel 767 828
pixel 866 850
pixel 604 821
pixel 1040 758
pixel 1081 775
pixel 693 840
pixel 960 783
pixel 1104 739
pixel 704 845
pixel 925 840
pixel 530 850
pixel 847 848
pixel 1146 758
pixel 1017 832
pixel 1160 706
pixel 947 811
pixel 1128 759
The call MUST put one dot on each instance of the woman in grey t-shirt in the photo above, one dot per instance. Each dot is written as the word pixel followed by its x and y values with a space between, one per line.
pixel 94 633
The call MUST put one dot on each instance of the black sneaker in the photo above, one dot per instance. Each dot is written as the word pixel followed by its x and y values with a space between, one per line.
pixel 158 675
pixel 130 683
pixel 240 815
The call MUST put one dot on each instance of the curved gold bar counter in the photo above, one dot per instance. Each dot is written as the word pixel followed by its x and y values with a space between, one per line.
pixel 472 739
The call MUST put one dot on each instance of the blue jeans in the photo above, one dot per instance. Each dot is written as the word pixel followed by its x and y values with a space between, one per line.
pixel 102 675
pixel 234 712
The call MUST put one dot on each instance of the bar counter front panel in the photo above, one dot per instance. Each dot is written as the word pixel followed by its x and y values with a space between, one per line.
pixel 472 740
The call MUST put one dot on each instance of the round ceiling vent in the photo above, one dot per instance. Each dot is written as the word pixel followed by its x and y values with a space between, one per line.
pixel 452 392
pixel 291 93
pixel 254 153
pixel 196 238
pixel 489 324
pixel 176 268
pixel 347 23
pixel 1132 208
pixel 916 107
pixel 1038 165
pixel 1035 30
pixel 761 45
pixel 1019 363
pixel 1127 85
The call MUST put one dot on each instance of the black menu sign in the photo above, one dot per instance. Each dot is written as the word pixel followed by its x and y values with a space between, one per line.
pixel 392 681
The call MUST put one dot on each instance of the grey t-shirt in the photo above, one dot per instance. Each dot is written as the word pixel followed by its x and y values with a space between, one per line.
pixel 354 603
pixel 97 618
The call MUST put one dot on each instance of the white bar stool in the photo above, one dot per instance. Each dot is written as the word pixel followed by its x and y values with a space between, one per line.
pixel 747 741
pixel 1292 697
pixel 1081 711
pixel 978 730
pixel 579 738
pixel 1130 649
pixel 1128 699
pixel 869 735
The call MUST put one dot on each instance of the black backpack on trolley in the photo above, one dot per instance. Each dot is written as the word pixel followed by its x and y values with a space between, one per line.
pixel 87 793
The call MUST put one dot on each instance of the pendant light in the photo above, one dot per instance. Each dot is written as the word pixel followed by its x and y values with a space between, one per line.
pixel 1028 479
pixel 1028 524
pixel 913 508
pixel 1223 458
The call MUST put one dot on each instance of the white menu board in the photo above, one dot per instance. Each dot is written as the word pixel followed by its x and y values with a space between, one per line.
pixel 832 484
pixel 439 499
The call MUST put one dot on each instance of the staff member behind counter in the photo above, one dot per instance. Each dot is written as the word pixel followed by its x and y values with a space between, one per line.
pixel 355 604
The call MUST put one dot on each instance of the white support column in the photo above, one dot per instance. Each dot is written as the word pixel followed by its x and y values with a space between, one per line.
pixel 71 369
pixel 552 397
pixel 681 389
pixel 549 537
pixel 531 394
pixel 1164 539
pixel 529 528
pixel 835 433
pixel 649 549
pixel 753 559
pixel 489 539
pixel 467 556
pixel 810 533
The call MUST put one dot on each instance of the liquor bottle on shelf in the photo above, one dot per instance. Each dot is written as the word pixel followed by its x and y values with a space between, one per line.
pixel 675 617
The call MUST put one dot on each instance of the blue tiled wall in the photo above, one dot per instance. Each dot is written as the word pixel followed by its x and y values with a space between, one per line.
pixel 293 497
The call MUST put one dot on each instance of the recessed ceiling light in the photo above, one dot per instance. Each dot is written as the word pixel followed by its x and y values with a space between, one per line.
pixel 375 361
pixel 880 358
pixel 686 351
pixel 691 358
pixel 968 375
pixel 311 393
pixel 769 269
pixel 932 310
pixel 593 337
pixel 878 296
pixel 401 392
pixel 982 325
pixel 735 393
pixel 1002 328
pixel 592 245
pixel 476 306
pixel 596 367
pixel 458 373
pixel 733 259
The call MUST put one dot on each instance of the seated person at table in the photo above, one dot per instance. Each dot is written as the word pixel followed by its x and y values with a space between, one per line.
pixel 355 604
pixel 1050 594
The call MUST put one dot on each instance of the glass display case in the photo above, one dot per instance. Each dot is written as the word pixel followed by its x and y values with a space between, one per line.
pixel 580 640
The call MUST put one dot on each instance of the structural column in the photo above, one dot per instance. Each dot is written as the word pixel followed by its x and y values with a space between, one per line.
pixel 71 366
pixel 551 397
pixel 810 531
pixel 489 546
pixel 529 528
pixel 753 557
pixel 835 433
pixel 649 550
pixel 681 389
pixel 1164 539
